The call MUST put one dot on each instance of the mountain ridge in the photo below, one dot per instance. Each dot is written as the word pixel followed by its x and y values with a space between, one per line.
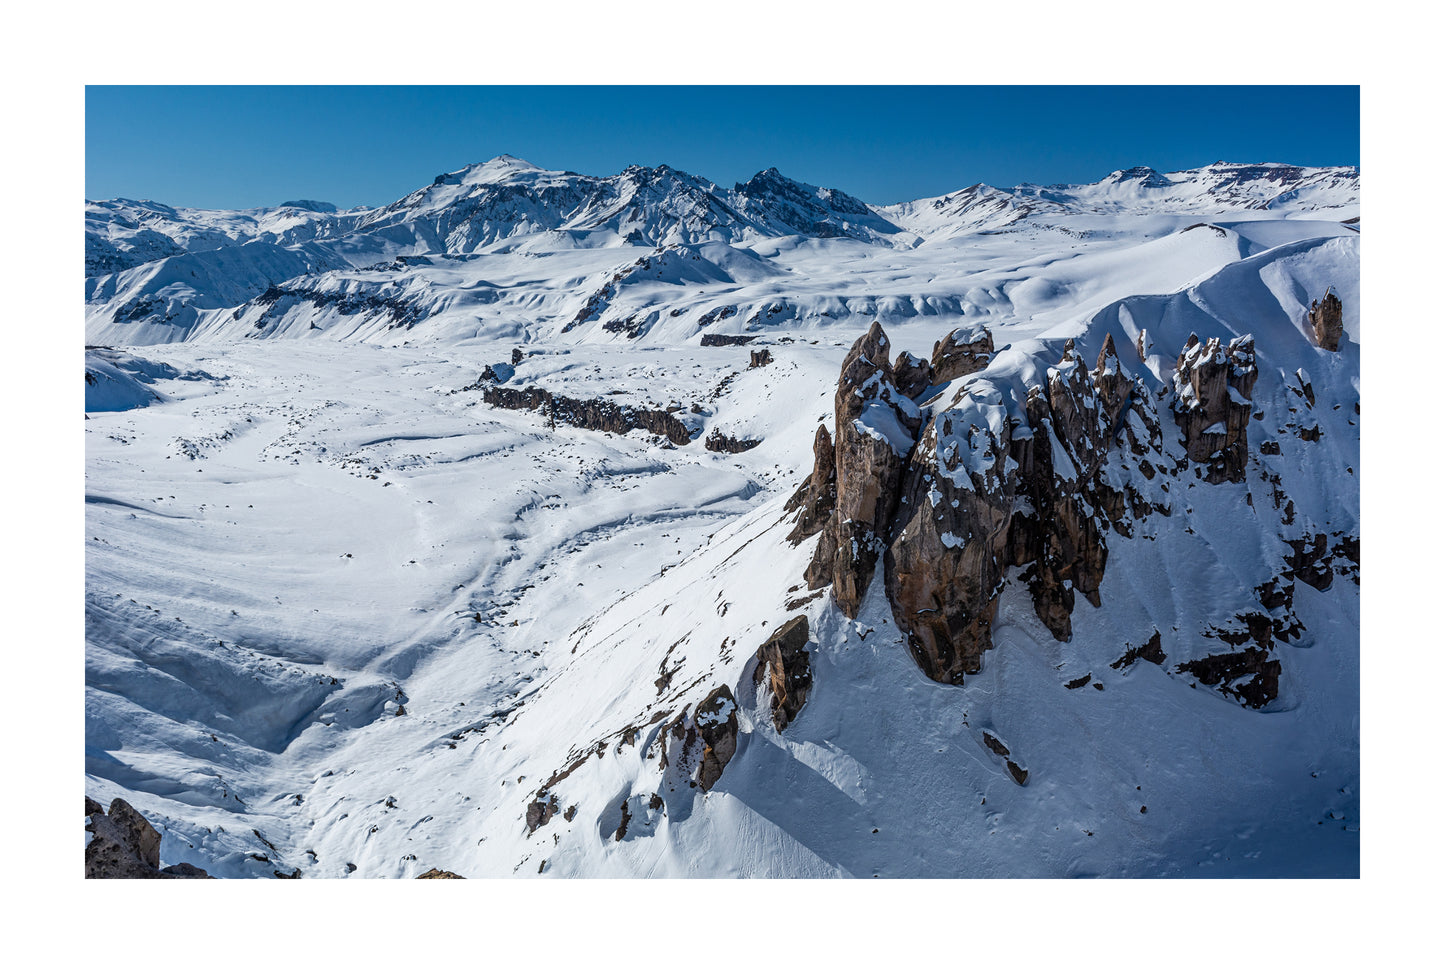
pixel 157 273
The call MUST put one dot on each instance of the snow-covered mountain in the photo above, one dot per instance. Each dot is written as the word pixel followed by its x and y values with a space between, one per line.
pixel 122 234
pixel 157 274
pixel 1214 190
pixel 546 524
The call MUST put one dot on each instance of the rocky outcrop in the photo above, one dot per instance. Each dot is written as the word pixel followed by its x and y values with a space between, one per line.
pixel 912 374
pixel 435 874
pixel 1024 476
pixel 123 844
pixel 718 442
pixel 978 491
pixel 1248 675
pixel 1019 773
pixel 783 662
pixel 989 488
pixel 950 542
pixel 588 413
pixel 720 313
pixel 1310 562
pixel 961 352
pixel 542 809
pixel 818 494
pixel 716 721
pixel 760 358
pixel 876 426
pixel 1153 651
pixel 1327 319
pixel 1212 386
pixel 719 341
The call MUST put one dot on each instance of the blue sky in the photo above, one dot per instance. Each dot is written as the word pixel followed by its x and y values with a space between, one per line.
pixel 235 147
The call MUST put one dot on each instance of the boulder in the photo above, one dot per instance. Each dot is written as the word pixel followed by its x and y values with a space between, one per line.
pixel 784 663
pixel 1327 319
pixel 718 442
pixel 912 375
pixel 961 352
pixel 124 845
pixel 716 722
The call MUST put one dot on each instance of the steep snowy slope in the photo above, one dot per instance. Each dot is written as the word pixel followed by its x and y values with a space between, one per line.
pixel 491 559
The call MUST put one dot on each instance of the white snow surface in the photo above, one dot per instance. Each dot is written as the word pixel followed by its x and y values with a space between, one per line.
pixel 335 603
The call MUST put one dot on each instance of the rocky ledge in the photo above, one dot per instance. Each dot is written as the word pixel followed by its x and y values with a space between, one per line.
pixel 588 413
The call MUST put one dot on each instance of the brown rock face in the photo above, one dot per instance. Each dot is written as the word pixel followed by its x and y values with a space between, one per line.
pixel 124 845
pixel 716 720
pixel 945 561
pixel 1327 320
pixel 435 874
pixel 911 374
pixel 875 426
pixel 979 492
pixel 1114 389
pixel 1212 385
pixel 542 809
pixel 961 352
pixel 783 662
pixel 986 491
pixel 818 495
pixel 760 358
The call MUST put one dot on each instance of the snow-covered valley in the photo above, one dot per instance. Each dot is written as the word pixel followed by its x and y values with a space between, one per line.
pixel 346 616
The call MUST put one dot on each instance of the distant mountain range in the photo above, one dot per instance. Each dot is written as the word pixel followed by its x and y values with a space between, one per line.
pixel 462 211
pixel 158 274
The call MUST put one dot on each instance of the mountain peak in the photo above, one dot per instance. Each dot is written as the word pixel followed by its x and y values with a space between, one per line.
pixel 319 207
pixel 512 162
pixel 501 168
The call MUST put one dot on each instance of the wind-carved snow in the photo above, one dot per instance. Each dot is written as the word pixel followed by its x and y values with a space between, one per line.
pixel 971 433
